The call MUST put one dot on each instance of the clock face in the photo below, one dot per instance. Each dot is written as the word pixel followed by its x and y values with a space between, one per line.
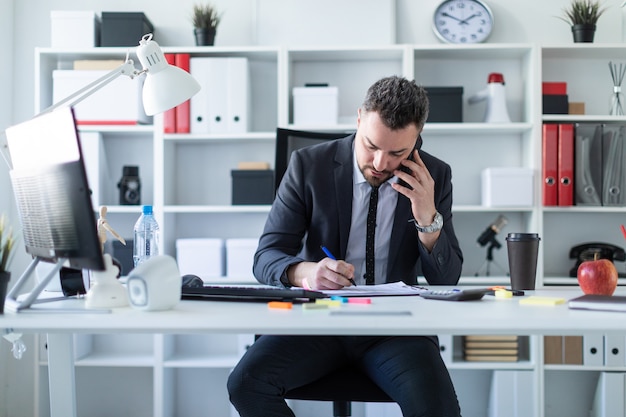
pixel 462 21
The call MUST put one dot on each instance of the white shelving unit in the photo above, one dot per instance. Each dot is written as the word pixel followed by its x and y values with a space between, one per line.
pixel 187 179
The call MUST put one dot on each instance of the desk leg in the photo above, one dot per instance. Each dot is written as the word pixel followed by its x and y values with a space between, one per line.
pixel 61 375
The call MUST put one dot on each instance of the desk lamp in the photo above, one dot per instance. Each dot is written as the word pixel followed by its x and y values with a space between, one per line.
pixel 165 87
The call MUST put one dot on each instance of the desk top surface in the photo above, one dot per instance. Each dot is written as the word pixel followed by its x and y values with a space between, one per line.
pixel 402 315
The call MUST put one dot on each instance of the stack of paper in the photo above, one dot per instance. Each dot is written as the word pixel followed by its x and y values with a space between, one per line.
pixel 491 348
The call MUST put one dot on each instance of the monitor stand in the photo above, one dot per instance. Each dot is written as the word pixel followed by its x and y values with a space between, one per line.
pixel 13 305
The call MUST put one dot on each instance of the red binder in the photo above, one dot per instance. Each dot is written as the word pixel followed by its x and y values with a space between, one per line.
pixel 565 165
pixel 169 117
pixel 182 110
pixel 549 164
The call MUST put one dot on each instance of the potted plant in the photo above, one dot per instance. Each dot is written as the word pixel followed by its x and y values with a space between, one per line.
pixel 582 15
pixel 205 19
pixel 7 243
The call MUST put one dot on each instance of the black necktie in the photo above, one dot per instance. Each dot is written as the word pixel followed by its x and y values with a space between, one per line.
pixel 369 237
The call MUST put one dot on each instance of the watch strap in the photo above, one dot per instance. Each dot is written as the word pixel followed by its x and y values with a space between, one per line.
pixel 435 226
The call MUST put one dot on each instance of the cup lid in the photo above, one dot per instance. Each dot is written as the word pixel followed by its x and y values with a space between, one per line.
pixel 523 236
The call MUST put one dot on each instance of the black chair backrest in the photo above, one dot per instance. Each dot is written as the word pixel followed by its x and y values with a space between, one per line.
pixel 288 140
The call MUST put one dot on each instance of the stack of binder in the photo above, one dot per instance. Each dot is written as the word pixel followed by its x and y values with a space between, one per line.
pixel 584 164
pixel 491 348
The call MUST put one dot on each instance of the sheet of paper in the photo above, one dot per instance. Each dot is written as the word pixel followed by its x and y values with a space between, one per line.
pixel 394 288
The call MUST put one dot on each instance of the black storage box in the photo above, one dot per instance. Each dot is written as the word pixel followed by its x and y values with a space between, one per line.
pixel 555 104
pixel 251 186
pixel 446 104
pixel 123 28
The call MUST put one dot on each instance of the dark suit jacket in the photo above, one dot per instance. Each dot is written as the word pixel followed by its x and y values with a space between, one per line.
pixel 313 207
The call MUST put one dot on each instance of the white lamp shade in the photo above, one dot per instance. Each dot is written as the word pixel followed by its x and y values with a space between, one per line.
pixel 165 86
pixel 166 89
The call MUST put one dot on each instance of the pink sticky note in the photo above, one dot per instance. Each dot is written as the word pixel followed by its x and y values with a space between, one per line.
pixel 359 300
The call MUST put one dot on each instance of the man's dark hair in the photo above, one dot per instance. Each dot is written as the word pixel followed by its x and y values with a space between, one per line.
pixel 398 101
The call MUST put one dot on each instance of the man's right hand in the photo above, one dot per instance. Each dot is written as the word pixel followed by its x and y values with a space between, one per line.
pixel 327 274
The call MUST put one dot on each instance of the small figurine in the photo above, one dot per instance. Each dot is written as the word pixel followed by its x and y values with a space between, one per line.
pixel 104 227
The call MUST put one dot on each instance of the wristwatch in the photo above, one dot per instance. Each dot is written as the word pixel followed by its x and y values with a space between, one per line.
pixel 435 226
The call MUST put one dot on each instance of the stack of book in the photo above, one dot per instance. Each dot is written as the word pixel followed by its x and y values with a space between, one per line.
pixel 491 348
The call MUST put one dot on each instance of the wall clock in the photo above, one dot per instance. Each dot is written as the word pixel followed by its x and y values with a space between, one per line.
pixel 463 21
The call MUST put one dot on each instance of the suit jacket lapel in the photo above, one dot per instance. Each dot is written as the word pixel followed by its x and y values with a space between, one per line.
pixel 343 189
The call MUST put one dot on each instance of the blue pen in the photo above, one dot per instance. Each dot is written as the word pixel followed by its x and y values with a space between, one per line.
pixel 331 256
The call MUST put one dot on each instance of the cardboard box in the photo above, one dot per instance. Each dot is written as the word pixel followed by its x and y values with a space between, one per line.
pixel 315 106
pixel 124 28
pixel 446 104
pixel 576 107
pixel 74 29
pixel 252 186
pixel 116 103
pixel 505 187
pixel 240 258
pixel 203 257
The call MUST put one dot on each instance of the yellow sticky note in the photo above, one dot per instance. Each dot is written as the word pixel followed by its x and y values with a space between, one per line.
pixel 314 306
pixel 540 300
pixel 329 303
pixel 502 293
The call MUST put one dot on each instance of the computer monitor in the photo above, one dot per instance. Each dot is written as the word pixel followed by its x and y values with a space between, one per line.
pixel 53 199
pixel 288 140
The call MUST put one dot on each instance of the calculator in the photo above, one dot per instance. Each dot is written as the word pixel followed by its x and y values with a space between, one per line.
pixel 455 294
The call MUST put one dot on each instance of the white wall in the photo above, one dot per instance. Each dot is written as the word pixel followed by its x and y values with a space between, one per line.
pixel 25 24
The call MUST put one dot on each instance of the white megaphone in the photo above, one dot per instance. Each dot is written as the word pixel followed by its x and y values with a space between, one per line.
pixel 496 99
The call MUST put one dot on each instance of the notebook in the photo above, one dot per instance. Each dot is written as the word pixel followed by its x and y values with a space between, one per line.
pixel 599 302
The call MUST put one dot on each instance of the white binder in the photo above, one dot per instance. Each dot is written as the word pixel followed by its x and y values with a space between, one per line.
pixel 614 350
pixel 238 93
pixel 199 104
pixel 217 94
pixel 609 396
pixel 511 394
pixel 593 350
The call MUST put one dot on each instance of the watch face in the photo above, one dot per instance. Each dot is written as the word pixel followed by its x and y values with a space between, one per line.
pixel 462 21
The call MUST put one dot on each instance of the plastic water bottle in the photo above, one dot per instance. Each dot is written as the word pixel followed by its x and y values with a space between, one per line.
pixel 146 244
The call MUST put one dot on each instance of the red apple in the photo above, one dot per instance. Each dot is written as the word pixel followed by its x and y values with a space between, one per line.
pixel 597 277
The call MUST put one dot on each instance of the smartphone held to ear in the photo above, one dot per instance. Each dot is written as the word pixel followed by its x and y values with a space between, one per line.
pixel 418 146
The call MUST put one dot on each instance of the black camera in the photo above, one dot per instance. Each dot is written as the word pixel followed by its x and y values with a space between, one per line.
pixel 130 186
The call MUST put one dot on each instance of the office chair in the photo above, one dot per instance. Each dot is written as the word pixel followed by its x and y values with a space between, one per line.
pixel 341 387
pixel 344 385
pixel 288 140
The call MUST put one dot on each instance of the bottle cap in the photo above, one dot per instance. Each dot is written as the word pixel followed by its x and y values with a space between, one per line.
pixel 146 210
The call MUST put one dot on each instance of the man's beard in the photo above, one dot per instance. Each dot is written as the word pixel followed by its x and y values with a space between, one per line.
pixel 374 181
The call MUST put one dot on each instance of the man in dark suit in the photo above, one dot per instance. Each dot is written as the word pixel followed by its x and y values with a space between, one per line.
pixel 324 200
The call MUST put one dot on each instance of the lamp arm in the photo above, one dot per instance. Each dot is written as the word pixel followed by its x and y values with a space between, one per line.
pixel 127 68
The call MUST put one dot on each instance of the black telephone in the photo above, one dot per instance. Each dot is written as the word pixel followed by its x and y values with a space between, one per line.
pixel 588 251
pixel 418 146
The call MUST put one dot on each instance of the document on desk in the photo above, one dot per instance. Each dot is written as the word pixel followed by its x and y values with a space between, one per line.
pixel 391 289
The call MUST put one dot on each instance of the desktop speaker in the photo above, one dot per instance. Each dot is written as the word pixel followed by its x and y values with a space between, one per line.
pixel 155 284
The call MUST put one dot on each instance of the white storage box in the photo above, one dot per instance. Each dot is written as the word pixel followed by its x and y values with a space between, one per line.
pixel 503 187
pixel 74 29
pixel 201 257
pixel 315 105
pixel 240 258
pixel 116 103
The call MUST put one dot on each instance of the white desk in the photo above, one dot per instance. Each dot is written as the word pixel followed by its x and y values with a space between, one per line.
pixel 488 316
